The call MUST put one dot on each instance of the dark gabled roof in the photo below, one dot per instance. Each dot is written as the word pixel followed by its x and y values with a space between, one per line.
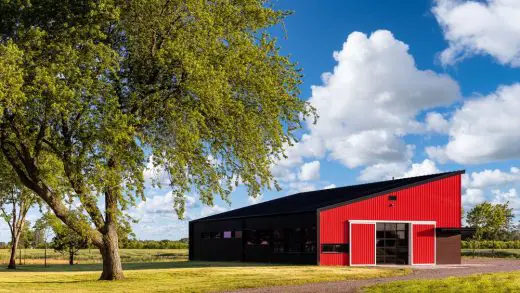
pixel 314 200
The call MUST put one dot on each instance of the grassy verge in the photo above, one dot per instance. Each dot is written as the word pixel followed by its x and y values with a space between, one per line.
pixel 499 253
pixel 498 282
pixel 85 256
pixel 179 277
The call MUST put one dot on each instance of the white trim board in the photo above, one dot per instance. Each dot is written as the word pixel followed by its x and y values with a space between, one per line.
pixel 350 245
pixel 391 221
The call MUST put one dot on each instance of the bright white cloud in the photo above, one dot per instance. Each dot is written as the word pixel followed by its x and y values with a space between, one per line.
pixel 397 170
pixel 480 27
pixel 330 186
pixel 436 122
pixel 484 129
pixel 369 103
pixel 310 171
pixel 298 186
pixel 161 205
pixel 491 178
pixel 427 167
pixel 471 197
pixel 384 171
pixel 510 196
pixel 283 174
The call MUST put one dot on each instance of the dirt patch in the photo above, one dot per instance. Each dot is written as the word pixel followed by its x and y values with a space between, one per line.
pixel 468 267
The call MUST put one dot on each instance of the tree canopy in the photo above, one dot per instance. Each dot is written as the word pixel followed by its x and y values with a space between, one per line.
pixel 492 221
pixel 90 90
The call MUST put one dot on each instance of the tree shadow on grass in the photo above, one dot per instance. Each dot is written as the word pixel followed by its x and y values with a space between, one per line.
pixel 132 266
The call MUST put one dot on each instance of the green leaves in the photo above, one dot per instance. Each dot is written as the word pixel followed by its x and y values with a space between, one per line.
pixel 11 77
pixel 90 90
pixel 491 220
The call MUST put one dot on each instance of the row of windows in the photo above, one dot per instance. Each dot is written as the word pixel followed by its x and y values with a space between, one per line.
pixel 294 240
pixel 279 240
pixel 221 235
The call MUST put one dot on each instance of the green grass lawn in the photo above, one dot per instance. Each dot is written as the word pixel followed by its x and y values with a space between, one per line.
pixel 179 276
pixel 489 283
pixel 36 256
pixel 499 253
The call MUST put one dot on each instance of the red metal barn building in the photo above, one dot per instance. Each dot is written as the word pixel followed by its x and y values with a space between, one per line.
pixel 410 221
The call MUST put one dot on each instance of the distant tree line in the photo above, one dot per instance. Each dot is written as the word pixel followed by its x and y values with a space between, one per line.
pixel 49 232
pixel 154 244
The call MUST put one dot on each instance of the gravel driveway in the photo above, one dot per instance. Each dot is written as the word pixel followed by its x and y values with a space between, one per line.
pixel 468 267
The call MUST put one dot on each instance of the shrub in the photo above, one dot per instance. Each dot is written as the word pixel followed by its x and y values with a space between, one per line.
pixel 488 244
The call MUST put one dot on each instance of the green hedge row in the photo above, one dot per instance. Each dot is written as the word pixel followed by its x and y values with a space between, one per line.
pixel 488 244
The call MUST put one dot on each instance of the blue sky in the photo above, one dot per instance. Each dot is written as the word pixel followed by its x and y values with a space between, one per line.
pixel 410 88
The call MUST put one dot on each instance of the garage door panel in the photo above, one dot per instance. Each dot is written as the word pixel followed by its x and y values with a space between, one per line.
pixel 362 244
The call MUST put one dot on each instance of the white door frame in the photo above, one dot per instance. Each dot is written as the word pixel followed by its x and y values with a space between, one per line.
pixel 410 239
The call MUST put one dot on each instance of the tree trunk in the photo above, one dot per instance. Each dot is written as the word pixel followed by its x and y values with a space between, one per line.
pixel 71 257
pixel 12 259
pixel 112 269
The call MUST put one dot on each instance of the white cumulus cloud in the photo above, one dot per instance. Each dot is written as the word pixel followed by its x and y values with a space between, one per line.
pixel 310 171
pixel 436 122
pixel 484 129
pixel 370 101
pixel 492 178
pixel 472 197
pixel 511 197
pixel 427 167
pixel 480 27
pixel 330 186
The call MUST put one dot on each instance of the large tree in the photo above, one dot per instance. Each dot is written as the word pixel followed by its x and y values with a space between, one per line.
pixel 491 221
pixel 90 89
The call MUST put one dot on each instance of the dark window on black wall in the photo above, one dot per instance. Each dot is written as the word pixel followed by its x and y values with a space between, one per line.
pixel 309 239
pixel 264 237
pixel 251 237
pixel 258 237
pixel 294 240
pixel 278 241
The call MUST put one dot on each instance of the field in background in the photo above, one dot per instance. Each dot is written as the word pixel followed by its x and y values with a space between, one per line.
pixel 86 256
pixel 497 282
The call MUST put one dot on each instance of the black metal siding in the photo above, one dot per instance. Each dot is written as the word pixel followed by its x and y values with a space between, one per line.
pixel 236 250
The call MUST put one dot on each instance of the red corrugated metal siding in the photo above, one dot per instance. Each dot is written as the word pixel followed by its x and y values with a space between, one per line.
pixel 334 259
pixel 438 201
pixel 423 244
pixel 362 246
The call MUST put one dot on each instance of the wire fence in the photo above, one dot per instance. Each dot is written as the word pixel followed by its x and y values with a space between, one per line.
pixel 84 256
